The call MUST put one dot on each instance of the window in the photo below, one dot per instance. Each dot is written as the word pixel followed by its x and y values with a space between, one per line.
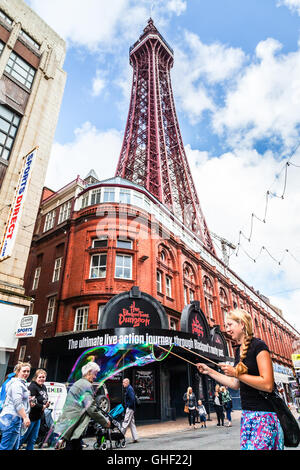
pixel 99 243
pixel 6 18
pixel 57 268
pixel 158 281
pixel 29 40
pixel 65 211
pixel 22 353
pixel 96 196
pixel 85 200
pixel 100 311
pixel 185 294
pixel 49 220
pixel 168 286
pixel 81 319
pixel 30 309
pixel 192 295
pixel 1 47
pixel 36 278
pixel 173 324
pixel 50 309
pixel 127 244
pixel 123 266
pixel 20 70
pixel 125 196
pixel 109 195
pixel 9 123
pixel 98 266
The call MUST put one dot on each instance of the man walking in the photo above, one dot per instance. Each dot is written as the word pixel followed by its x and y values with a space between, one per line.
pixel 129 402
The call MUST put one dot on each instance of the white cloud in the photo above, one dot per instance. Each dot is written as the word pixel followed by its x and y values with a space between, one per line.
pixel 197 68
pixel 177 6
pixel 265 101
pixel 90 148
pixel 294 5
pixel 98 83
pixel 231 188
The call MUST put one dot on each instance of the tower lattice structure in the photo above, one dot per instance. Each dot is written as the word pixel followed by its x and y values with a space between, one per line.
pixel 152 153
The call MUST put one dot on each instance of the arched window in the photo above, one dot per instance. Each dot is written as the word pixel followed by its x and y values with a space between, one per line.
pixel 223 302
pixel 209 296
pixel 189 283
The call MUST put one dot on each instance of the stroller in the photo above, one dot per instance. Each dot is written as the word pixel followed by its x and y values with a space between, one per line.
pixel 46 434
pixel 106 436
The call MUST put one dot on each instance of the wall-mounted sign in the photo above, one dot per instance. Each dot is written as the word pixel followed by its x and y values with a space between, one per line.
pixel 15 213
pixel 144 385
pixel 134 309
pixel 193 321
pixel 26 327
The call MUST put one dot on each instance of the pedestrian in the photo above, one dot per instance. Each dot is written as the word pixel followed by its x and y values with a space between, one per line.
pixel 252 372
pixel 79 407
pixel 190 399
pixel 218 404
pixel 202 413
pixel 227 401
pixel 129 405
pixel 15 412
pixel 38 392
pixel 3 388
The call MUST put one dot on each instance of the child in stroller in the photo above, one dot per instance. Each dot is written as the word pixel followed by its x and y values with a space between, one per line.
pixel 106 436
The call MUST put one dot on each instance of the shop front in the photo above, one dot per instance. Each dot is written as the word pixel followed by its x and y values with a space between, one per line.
pixel 135 323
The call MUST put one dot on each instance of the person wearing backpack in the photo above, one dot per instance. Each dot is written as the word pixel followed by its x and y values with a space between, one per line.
pixel 3 389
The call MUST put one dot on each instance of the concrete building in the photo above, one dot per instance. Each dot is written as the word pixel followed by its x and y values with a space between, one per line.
pixel 32 82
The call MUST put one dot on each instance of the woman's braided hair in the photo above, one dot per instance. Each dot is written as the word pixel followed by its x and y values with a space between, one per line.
pixel 241 316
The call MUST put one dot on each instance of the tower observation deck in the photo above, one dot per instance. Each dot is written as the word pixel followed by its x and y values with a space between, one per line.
pixel 152 153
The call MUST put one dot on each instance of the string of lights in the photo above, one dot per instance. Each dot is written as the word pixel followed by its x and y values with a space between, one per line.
pixel 269 195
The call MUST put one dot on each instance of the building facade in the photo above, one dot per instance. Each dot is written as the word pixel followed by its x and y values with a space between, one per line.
pixel 118 259
pixel 32 81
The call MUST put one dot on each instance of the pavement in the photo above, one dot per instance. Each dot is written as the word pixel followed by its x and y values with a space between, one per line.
pixel 181 424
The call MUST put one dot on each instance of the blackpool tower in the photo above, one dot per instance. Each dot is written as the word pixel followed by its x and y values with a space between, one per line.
pixel 152 153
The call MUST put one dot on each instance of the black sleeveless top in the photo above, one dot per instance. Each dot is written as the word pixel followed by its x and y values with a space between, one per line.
pixel 251 399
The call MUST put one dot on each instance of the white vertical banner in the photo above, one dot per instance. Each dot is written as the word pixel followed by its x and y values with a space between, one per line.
pixel 15 213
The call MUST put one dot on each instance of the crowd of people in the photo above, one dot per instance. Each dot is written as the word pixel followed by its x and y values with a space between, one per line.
pixel 252 373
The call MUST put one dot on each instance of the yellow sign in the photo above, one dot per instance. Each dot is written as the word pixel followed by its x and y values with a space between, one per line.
pixel 296 360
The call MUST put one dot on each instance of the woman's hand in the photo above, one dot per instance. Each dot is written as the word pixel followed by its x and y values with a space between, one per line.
pixel 203 368
pixel 228 369
pixel 26 421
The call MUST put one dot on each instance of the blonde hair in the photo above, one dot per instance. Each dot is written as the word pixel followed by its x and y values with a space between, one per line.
pixel 189 391
pixel 19 366
pixel 37 373
pixel 242 317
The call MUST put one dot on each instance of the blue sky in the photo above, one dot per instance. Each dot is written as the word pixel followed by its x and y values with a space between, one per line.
pixel 236 84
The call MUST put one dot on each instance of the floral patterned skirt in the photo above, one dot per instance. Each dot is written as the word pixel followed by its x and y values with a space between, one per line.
pixel 260 430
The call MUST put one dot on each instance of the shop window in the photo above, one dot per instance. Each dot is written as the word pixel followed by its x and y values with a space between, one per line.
pixel 81 319
pixel 98 266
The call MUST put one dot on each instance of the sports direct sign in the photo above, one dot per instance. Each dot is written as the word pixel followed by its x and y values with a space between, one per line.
pixel 27 326
pixel 13 221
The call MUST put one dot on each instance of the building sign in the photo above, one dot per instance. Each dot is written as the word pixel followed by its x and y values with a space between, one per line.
pixel 218 340
pixel 193 321
pixel 15 213
pixel 27 326
pixel 134 309
pixel 296 361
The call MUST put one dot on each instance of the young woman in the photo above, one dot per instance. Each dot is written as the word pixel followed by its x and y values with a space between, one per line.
pixel 218 404
pixel 227 401
pixel 190 398
pixel 16 408
pixel 38 391
pixel 252 372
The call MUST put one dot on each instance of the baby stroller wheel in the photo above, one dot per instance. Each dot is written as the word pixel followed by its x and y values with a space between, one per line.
pixel 123 443
pixel 96 446
pixel 118 444
pixel 103 446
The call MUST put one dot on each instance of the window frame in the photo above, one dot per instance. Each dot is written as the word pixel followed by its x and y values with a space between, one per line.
pixel 57 269
pixel 82 322
pixel 9 133
pixel 99 266
pixel 123 255
pixel 49 220
pixel 36 278
pixel 64 211
pixel 14 64
pixel 50 309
